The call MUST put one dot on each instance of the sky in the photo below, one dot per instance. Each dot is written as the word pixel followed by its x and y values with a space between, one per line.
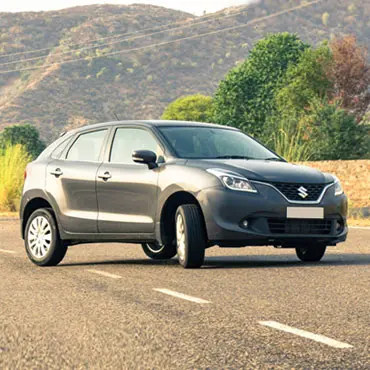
pixel 191 6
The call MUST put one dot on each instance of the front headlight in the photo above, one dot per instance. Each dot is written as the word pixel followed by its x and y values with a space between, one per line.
pixel 233 180
pixel 338 190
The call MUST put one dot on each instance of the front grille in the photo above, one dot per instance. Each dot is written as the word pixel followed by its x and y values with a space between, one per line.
pixel 298 226
pixel 291 190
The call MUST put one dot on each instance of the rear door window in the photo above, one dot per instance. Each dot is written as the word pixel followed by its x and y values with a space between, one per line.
pixel 87 147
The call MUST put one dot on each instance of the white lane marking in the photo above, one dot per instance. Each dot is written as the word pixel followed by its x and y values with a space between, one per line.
pixel 106 274
pixel 306 334
pixel 7 251
pixel 360 227
pixel 182 296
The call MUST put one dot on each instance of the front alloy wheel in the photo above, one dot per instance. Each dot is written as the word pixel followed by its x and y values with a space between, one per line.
pixel 180 237
pixel 311 253
pixel 190 236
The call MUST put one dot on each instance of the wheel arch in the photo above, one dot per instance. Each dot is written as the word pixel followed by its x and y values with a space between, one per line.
pixel 31 206
pixel 166 227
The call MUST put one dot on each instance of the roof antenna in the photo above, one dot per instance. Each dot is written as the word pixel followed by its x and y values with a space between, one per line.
pixel 115 115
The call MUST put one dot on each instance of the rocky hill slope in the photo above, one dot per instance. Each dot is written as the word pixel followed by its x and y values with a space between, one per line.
pixel 139 83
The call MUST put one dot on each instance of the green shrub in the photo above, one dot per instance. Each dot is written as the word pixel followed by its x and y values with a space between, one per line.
pixel 101 72
pixel 197 108
pixel 335 133
pixel 325 18
pixel 13 161
pixel 323 131
pixel 351 8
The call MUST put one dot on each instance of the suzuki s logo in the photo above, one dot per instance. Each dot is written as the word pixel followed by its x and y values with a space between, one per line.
pixel 302 192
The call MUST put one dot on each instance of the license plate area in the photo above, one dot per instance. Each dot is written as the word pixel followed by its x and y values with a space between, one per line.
pixel 305 212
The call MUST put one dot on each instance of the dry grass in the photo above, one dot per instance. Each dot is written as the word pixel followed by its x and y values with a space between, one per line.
pixel 13 161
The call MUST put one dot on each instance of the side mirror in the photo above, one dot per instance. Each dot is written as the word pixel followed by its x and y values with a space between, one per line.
pixel 145 157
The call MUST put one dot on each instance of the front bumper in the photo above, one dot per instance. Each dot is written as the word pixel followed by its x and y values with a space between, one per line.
pixel 224 211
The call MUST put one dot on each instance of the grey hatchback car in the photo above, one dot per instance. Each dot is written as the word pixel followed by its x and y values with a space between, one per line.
pixel 176 188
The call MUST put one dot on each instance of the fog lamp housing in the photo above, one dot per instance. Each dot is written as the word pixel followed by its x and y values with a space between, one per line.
pixel 339 226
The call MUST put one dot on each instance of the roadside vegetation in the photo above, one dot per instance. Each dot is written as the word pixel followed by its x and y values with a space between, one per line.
pixel 197 108
pixel 25 135
pixel 19 144
pixel 13 161
pixel 306 103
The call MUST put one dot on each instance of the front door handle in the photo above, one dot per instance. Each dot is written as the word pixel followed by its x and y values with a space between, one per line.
pixel 57 172
pixel 105 176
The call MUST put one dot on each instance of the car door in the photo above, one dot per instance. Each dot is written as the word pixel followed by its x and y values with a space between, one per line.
pixel 127 192
pixel 71 182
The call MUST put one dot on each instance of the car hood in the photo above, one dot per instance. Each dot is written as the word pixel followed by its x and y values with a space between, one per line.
pixel 266 171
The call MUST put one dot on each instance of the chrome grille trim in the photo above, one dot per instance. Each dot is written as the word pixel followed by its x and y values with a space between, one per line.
pixel 296 201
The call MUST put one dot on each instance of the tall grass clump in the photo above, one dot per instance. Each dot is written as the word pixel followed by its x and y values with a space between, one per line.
pixel 13 161
pixel 288 140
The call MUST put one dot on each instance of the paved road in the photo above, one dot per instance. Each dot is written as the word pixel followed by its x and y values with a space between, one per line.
pixel 101 309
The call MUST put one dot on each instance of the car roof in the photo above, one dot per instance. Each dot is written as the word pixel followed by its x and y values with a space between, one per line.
pixel 151 123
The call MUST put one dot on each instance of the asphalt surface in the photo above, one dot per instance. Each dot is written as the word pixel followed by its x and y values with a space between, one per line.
pixel 100 309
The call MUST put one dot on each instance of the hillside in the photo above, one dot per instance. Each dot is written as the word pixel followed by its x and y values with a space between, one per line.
pixel 139 84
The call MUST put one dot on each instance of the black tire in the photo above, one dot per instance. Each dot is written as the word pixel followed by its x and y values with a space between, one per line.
pixel 156 251
pixel 191 255
pixel 56 249
pixel 311 253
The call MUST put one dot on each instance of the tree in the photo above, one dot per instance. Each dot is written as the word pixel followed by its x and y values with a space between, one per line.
pixel 305 81
pixel 26 135
pixel 197 108
pixel 351 75
pixel 308 122
pixel 246 97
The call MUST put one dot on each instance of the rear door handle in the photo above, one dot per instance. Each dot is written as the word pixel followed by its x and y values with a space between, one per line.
pixel 105 176
pixel 57 172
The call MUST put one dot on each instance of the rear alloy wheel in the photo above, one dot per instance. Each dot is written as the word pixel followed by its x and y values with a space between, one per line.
pixel 158 251
pixel 190 236
pixel 311 253
pixel 42 242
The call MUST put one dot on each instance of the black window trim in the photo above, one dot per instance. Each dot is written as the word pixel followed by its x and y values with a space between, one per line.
pixel 64 143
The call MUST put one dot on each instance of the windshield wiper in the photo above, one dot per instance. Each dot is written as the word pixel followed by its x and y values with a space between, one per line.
pixel 277 159
pixel 232 157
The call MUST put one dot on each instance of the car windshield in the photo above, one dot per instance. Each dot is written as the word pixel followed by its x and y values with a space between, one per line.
pixel 214 143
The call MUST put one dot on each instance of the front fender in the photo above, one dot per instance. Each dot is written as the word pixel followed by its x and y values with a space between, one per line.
pixel 188 181
pixel 175 178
